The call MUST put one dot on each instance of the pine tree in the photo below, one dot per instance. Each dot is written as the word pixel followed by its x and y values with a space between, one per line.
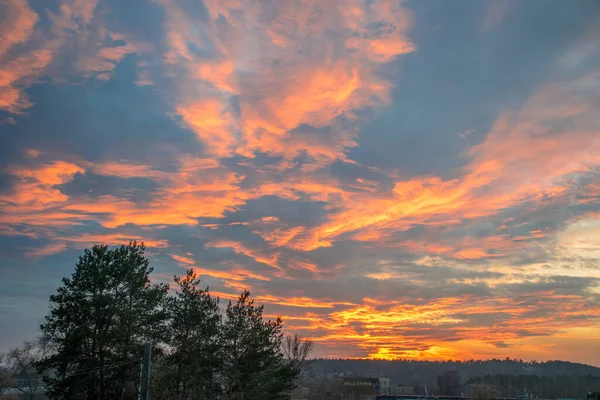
pixel 254 365
pixel 193 337
pixel 99 319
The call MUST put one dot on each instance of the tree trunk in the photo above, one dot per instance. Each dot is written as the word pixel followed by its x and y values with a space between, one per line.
pixel 102 383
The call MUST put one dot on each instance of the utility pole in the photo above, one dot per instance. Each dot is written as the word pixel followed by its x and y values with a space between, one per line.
pixel 145 384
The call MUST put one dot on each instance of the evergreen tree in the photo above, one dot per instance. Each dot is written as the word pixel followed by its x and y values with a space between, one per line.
pixel 99 319
pixel 193 337
pixel 254 365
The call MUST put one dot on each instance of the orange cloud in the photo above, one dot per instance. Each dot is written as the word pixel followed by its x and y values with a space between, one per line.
pixel 16 24
pixel 315 99
pixel 520 141
pixel 126 170
pixel 212 123
pixel 61 243
pixel 238 274
pixel 103 62
pixel 290 301
pixel 183 260
pixel 301 301
pixel 175 203
pixel 40 252
pixel 279 86
pixel 220 74
pixel 448 328
pixel 268 259
pixel 232 276
pixel 305 265
pixel 28 49
pixel 14 74
pixel 197 189
pixel 36 190
pixel 113 239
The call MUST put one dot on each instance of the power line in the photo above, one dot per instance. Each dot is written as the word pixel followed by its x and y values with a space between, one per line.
pixel 98 369
pixel 82 371
pixel 37 381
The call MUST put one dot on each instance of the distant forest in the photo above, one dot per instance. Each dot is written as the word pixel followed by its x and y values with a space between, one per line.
pixel 544 387
pixel 543 379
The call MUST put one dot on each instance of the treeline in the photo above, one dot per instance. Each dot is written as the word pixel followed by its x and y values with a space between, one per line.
pixel 424 373
pixel 544 387
pixel 315 386
pixel 101 317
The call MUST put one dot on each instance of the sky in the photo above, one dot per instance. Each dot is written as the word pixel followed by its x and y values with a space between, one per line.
pixel 396 179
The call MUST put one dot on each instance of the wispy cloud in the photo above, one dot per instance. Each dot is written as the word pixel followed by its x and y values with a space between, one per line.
pixel 272 61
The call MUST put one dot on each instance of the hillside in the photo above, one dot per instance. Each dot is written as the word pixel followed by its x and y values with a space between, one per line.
pixel 419 373
pixel 545 387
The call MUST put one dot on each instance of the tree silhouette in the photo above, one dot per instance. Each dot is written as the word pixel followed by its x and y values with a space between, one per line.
pixel 98 321
pixel 448 383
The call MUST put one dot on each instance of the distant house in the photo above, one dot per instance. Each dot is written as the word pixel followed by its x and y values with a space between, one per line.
pixel 365 388
pixel 359 388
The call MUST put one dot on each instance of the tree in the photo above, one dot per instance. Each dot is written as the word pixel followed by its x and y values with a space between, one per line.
pixel 22 363
pixel 7 381
pixel 254 365
pixel 193 337
pixel 296 350
pixel 418 387
pixel 320 387
pixel 448 383
pixel 484 392
pixel 99 319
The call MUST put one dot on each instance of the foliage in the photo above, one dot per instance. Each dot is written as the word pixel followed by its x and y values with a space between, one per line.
pixel 22 371
pixel 98 321
pixel 193 337
pixel 568 386
pixel 318 387
pixel 103 314
pixel 448 383
pixel 424 373
pixel 7 381
pixel 481 391
pixel 254 366
pixel 593 396
pixel 296 350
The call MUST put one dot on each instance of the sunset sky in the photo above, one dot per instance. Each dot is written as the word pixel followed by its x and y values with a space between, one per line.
pixel 415 179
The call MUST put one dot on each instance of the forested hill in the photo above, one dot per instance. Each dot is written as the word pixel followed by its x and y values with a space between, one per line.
pixel 426 372
pixel 545 387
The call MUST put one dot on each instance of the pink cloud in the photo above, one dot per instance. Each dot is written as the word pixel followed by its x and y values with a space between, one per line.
pixel 74 40
pixel 279 85
pixel 17 22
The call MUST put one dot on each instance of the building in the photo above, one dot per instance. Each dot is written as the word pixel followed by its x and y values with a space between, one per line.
pixel 364 388
pixel 400 390
pixel 360 388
